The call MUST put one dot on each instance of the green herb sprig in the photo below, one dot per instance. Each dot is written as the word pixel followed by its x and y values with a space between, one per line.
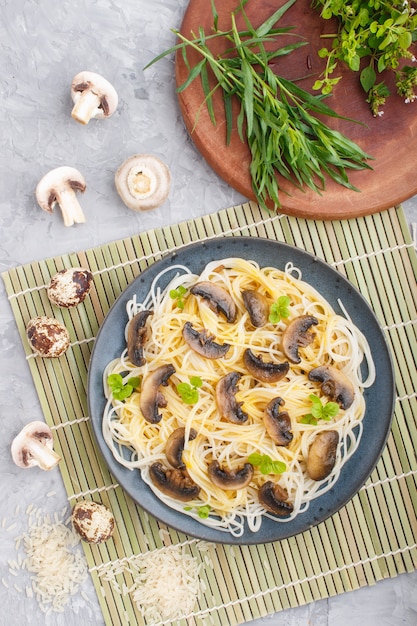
pixel 266 464
pixel 122 389
pixel 279 310
pixel 372 37
pixel 189 391
pixel 178 295
pixel 320 411
pixel 277 117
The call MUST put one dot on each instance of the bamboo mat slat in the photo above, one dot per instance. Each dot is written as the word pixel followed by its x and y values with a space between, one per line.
pixel 373 537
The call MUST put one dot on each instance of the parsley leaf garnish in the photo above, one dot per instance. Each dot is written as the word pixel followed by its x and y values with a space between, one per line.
pixel 178 295
pixel 320 411
pixel 279 310
pixel 266 464
pixel 189 391
pixel 121 389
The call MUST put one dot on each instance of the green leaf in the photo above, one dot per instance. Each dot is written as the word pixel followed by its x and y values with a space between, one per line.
pixel 368 78
pixel 204 511
pixel 266 464
pixel 279 310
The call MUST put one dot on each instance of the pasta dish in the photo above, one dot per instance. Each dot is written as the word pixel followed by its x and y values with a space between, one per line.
pixel 239 394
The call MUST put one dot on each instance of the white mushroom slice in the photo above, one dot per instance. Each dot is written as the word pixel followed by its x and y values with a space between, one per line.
pixel 47 336
pixel 34 446
pixel 143 182
pixel 93 96
pixel 59 186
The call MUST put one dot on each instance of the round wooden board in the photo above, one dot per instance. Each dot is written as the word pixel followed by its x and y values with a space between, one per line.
pixel 391 139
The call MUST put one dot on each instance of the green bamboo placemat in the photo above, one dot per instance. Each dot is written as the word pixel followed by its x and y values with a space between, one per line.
pixel 371 538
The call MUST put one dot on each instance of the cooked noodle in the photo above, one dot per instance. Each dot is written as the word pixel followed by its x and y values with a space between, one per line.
pixel 137 443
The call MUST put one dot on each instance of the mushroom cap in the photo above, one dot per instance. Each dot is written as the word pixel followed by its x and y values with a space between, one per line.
pixel 55 182
pixel 150 396
pixel 203 342
pixel 94 522
pixel 218 298
pixel 297 335
pixel 70 287
pixel 230 479
pixel 278 423
pixel 257 306
pixel 47 336
pixel 143 182
pixel 264 371
pixel 334 384
pixel 33 446
pixel 274 499
pixel 174 445
pixel 227 405
pixel 107 98
pixel 321 456
pixel 136 337
pixel 175 483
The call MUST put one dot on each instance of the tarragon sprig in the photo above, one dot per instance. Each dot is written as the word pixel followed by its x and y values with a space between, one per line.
pixel 277 117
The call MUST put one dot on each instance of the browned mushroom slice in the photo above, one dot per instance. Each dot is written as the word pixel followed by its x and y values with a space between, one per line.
pixel 257 306
pixel 151 398
pixel 322 454
pixel 278 423
pixel 175 483
pixel 174 446
pixel 136 337
pixel 274 499
pixel 298 335
pixel 219 299
pixel 335 384
pixel 203 342
pixel 229 479
pixel 265 371
pixel 227 404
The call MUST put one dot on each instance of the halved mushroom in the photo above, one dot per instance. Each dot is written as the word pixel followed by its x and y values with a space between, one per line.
pixel 265 371
pixel 136 337
pixel 335 384
pixel 230 479
pixel 274 499
pixel 203 342
pixel 143 182
pixel 219 300
pixel 322 454
pixel 34 446
pixel 257 306
pixel 175 483
pixel 278 423
pixel 47 336
pixel 70 287
pixel 298 335
pixel 93 96
pixel 174 446
pixel 150 397
pixel 59 187
pixel 227 405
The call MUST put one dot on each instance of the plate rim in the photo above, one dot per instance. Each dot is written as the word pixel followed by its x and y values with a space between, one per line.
pixel 174 518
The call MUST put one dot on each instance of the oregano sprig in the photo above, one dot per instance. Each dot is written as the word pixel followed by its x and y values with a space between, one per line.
pixel 277 117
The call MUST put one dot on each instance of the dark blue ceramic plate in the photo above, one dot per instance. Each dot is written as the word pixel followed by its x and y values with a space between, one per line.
pixel 333 286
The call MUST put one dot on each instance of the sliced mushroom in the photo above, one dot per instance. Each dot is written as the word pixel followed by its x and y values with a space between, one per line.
pixel 227 405
pixel 47 336
pixel 174 446
pixel 203 342
pixel 34 446
pixel 70 287
pixel 93 96
pixel 143 182
pixel 151 398
pixel 59 186
pixel 278 423
pixel 93 521
pixel 257 306
pixel 230 479
pixel 264 371
pixel 335 384
pixel 274 499
pixel 322 454
pixel 136 337
pixel 175 483
pixel 219 300
pixel 298 335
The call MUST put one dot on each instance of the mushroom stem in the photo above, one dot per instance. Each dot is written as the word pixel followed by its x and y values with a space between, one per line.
pixel 70 207
pixel 85 107
pixel 44 456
